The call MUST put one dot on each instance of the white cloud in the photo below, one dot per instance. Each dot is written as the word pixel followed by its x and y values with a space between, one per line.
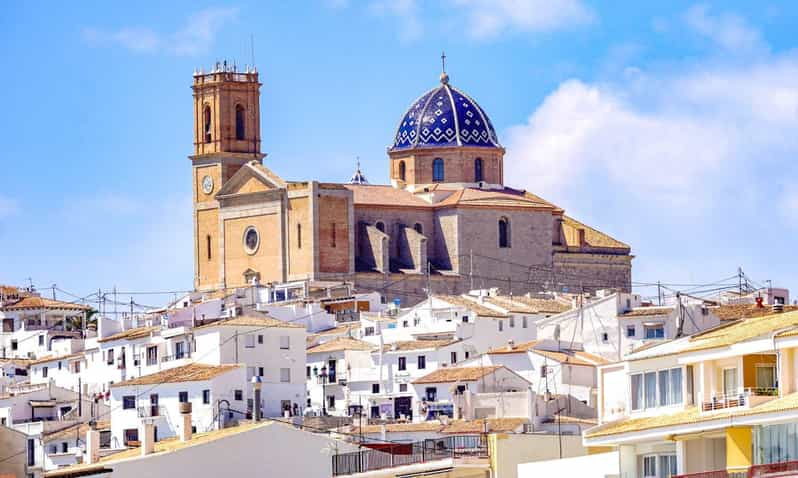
pixel 405 12
pixel 490 18
pixel 679 139
pixel 8 207
pixel 195 37
pixel 727 30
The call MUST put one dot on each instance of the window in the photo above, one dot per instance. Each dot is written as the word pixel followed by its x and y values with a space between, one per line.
pixel 605 337
pixel 14 344
pixel 630 330
pixel 260 371
pixel 401 170
pixel 380 226
pixel 655 331
pixel 431 394
pixel 402 387
pixel 128 402
pixel 637 391
pixel 368 331
pixel 31 448
pixel 504 232
pixel 512 321
pixel 238 395
pixel 331 402
pixel 131 435
pixel 206 397
pixel 437 170
pixel 477 170
pixel 152 355
pixel 41 340
pixel 207 124
pixel 182 397
pixel 260 339
pixel 375 388
pixel 650 466
pixel 59 365
pixel 208 245
pixel 467 354
pixel 465 319
pixel 285 342
pixel 729 381
pixel 299 236
pixel 180 350
pixel 524 323
pixel 418 228
pixel 453 357
pixel 765 376
pixel 332 238
pixel 44 371
pixel 240 117
pixel 154 411
pixel 650 381
pixel 249 341
pixel 110 357
pixel 307 371
pixel 501 325
pixel 64 447
pixel 422 362
pixel 285 375
pixel 402 363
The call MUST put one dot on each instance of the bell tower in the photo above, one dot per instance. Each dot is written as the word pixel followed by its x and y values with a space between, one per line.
pixel 226 136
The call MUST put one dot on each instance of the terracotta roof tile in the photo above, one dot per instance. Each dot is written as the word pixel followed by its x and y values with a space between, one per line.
pixel 341 343
pixel 528 305
pixel 471 304
pixel 478 426
pixel 251 320
pixel 428 426
pixel 515 348
pixel 408 345
pixel 35 302
pixel 132 334
pixel 53 358
pixel 194 372
pixel 593 237
pixel 457 374
pixel 647 311
pixel 745 311
pixel 563 357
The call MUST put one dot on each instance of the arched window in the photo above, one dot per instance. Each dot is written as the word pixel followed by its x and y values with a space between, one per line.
pixel 206 115
pixel 419 229
pixel 504 232
pixel 240 122
pixel 380 226
pixel 437 170
pixel 402 170
pixel 478 170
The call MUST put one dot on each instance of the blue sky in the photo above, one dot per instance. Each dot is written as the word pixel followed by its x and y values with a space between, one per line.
pixel 671 126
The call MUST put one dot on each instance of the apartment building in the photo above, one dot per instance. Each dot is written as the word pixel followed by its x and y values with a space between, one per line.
pixel 723 402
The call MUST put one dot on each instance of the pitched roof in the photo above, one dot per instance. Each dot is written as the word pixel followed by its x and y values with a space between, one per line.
pixel 563 357
pixel 341 329
pixel 593 237
pixel 384 195
pixel 647 311
pixel 523 347
pixel 473 305
pixel 52 358
pixel 478 426
pixel 131 334
pixel 340 343
pixel 592 358
pixel 194 372
pixel 528 305
pixel 745 311
pixel 389 196
pixel 251 320
pixel 78 429
pixel 36 302
pixel 457 374
pixel 409 345
pixel 427 426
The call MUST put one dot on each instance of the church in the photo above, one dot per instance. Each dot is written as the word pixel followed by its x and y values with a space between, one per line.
pixel 445 224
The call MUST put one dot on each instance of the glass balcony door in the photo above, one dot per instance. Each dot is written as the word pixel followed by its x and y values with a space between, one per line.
pixel 730 381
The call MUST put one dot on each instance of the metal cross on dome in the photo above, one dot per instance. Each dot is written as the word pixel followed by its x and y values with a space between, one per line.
pixel 443 62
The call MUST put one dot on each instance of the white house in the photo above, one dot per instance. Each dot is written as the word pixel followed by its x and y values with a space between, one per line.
pixel 34 326
pixel 271 349
pixel 217 393
pixel 332 368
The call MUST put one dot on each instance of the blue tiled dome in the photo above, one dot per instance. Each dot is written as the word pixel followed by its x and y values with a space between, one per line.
pixel 444 116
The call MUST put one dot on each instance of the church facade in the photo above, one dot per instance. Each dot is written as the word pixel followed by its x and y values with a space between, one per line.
pixel 446 223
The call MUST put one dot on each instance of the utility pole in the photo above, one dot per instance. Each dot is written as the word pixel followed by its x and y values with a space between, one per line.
pixel 429 290
pixel 659 293
pixel 680 329
pixel 116 314
pixel 740 280
pixel 53 286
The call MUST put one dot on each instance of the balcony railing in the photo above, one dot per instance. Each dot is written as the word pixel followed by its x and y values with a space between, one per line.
pixel 740 399
pixel 771 470
pixel 390 455
pixel 151 411
pixel 715 474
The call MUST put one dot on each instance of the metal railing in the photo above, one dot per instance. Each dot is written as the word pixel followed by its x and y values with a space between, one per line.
pixel 739 399
pixel 714 474
pixel 773 469
pixel 388 455
pixel 151 411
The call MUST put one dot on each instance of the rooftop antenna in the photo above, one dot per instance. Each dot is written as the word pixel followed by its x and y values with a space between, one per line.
pixel 252 49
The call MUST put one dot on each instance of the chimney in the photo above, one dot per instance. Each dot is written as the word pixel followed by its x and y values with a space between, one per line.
pixel 185 417
pixel 257 382
pixel 778 307
pixel 147 437
pixel 511 344
pixel 92 443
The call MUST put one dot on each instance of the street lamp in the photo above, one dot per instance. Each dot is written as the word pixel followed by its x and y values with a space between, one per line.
pixel 323 375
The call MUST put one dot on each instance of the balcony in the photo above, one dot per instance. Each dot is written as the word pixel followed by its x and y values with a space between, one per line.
pixel 744 398
pixel 151 411
pixel 715 474
pixel 771 470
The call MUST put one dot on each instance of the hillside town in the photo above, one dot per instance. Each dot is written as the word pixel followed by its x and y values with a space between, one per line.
pixel 446 324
